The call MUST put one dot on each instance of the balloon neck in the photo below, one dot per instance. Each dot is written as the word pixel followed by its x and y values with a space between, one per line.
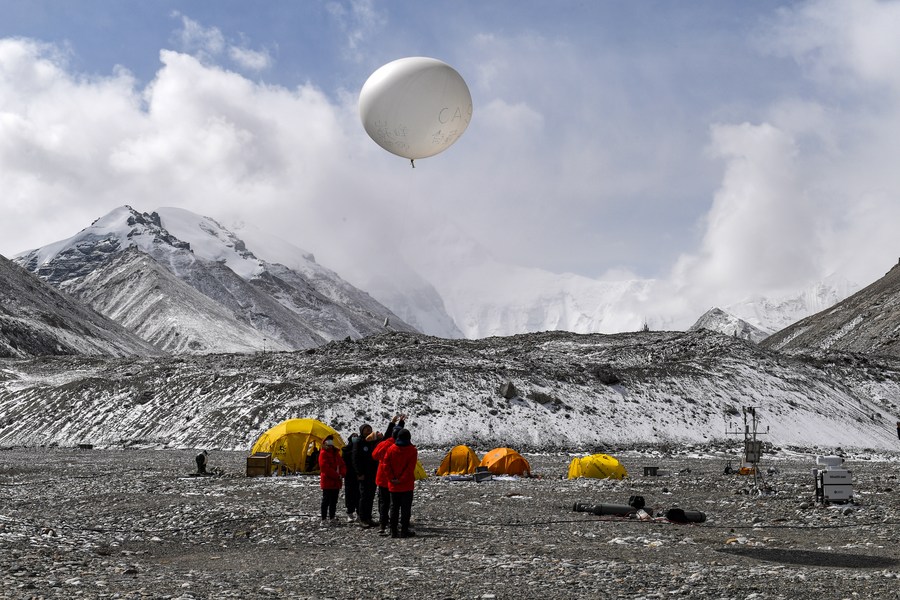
pixel 412 163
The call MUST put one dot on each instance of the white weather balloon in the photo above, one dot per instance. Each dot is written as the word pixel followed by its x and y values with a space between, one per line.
pixel 415 107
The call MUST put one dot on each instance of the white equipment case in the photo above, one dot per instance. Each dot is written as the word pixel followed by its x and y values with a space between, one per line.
pixel 833 484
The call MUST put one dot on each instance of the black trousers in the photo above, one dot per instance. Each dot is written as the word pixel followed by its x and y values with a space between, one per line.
pixel 366 499
pixel 351 494
pixel 401 509
pixel 384 506
pixel 329 503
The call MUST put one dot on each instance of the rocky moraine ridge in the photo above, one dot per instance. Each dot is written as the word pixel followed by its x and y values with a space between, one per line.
pixel 536 391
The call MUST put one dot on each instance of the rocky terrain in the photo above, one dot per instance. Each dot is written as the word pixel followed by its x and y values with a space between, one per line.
pixel 868 321
pixel 539 391
pixel 716 319
pixel 36 320
pixel 126 519
pixel 135 524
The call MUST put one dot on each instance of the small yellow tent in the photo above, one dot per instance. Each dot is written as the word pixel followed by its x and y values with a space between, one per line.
pixel 461 460
pixel 420 471
pixel 288 441
pixel 598 466
pixel 505 461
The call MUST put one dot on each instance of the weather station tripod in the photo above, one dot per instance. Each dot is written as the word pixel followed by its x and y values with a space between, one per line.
pixel 750 463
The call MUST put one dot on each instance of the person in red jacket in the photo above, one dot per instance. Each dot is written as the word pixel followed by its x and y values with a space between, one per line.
pixel 331 476
pixel 400 468
pixel 381 478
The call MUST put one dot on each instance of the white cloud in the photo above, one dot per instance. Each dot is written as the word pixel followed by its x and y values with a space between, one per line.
pixel 762 231
pixel 290 161
pixel 518 121
pixel 209 44
pixel 53 129
pixel 842 44
pixel 358 19
pixel 813 190
pixel 205 42
pixel 251 60
pixel 593 175
pixel 198 137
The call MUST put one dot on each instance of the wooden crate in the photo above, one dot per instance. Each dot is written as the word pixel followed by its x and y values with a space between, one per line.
pixel 259 464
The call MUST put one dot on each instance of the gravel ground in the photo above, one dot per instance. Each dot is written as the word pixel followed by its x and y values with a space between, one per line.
pixel 135 524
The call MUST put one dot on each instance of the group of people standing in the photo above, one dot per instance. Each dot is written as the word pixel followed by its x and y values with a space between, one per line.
pixel 371 464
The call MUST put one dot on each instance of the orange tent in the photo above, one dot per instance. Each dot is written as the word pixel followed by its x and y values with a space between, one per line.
pixel 506 461
pixel 461 460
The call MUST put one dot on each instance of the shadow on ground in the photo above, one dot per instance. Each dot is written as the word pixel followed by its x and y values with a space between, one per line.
pixel 814 558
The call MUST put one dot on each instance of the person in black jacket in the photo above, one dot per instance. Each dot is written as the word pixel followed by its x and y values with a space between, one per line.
pixel 351 483
pixel 203 458
pixel 365 468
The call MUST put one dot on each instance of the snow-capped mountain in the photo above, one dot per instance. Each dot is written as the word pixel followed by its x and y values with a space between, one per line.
pixel 495 300
pixel 400 288
pixel 141 294
pixel 716 319
pixel 867 322
pixel 36 319
pixel 488 297
pixel 569 392
pixel 262 283
pixel 207 291
pixel 774 313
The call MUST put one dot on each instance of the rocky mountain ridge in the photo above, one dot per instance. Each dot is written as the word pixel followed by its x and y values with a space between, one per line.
pixel 773 313
pixel 716 319
pixel 866 322
pixel 37 319
pixel 559 390
pixel 203 290
pixel 464 294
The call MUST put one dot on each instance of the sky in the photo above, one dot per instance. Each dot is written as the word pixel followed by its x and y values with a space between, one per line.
pixel 728 147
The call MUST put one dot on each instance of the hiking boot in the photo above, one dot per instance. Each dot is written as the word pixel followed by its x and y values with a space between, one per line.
pixel 395 533
pixel 367 524
pixel 351 517
pixel 408 534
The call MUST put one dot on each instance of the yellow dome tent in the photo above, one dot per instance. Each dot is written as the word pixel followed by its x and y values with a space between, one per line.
pixel 505 461
pixel 460 460
pixel 598 466
pixel 421 473
pixel 288 441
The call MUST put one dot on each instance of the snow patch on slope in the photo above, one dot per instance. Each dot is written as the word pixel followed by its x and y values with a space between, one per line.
pixel 210 240
pixel 672 387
